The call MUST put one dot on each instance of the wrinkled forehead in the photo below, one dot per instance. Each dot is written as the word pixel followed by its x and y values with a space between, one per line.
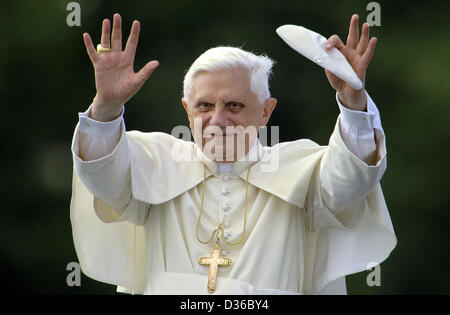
pixel 225 84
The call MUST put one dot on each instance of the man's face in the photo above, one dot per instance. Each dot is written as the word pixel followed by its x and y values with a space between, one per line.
pixel 224 113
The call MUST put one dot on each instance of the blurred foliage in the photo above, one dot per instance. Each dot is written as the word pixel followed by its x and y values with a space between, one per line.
pixel 46 78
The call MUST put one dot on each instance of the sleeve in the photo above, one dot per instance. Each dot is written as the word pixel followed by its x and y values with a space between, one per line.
pixel 108 177
pixel 345 177
pixel 113 253
pixel 96 138
pixel 358 130
pixel 349 227
pixel 101 193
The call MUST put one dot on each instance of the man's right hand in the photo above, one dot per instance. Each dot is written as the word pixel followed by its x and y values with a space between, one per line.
pixel 115 79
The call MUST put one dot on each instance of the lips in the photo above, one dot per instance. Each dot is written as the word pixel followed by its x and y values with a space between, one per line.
pixel 213 135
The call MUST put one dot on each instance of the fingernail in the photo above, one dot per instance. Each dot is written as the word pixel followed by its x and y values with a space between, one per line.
pixel 327 46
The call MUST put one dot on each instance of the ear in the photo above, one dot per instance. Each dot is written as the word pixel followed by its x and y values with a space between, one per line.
pixel 269 106
pixel 186 107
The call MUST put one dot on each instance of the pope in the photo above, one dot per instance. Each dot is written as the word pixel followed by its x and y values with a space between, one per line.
pixel 220 221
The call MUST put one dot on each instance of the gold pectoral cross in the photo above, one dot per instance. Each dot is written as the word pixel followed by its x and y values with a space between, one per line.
pixel 214 262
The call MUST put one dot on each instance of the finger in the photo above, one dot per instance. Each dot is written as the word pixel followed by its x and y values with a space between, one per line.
pixel 146 71
pixel 106 32
pixel 90 48
pixel 334 41
pixel 364 40
pixel 368 54
pixel 353 32
pixel 133 39
pixel 116 37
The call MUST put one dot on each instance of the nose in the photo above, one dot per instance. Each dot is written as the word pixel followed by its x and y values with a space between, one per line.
pixel 219 117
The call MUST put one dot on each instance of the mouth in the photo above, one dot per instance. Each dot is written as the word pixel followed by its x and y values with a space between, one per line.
pixel 218 136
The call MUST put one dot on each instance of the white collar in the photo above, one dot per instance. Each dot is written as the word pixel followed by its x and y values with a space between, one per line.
pixel 223 168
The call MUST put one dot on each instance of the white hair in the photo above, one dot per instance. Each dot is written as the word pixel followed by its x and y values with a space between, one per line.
pixel 218 58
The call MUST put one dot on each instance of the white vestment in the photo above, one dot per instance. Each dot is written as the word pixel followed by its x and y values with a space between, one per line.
pixel 320 215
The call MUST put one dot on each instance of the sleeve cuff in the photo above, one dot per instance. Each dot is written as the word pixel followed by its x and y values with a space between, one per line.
pixel 361 119
pixel 93 127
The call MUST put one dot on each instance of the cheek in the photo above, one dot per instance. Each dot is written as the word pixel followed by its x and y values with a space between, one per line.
pixel 247 119
pixel 197 124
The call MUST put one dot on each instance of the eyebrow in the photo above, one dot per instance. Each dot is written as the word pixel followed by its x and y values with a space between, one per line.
pixel 235 100
pixel 197 103
pixel 202 100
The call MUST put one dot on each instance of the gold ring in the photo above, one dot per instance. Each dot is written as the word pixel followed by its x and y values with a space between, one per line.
pixel 101 49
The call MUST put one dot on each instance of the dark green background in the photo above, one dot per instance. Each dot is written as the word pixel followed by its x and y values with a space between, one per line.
pixel 46 78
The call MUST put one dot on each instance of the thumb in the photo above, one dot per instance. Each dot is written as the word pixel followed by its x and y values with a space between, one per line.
pixel 146 71
pixel 335 82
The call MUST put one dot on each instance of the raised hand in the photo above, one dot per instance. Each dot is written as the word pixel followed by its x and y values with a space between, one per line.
pixel 115 79
pixel 359 53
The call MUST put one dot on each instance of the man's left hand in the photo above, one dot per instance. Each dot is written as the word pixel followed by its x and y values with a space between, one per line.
pixel 358 54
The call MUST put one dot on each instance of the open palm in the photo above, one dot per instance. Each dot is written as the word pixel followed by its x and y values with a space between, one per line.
pixel 115 79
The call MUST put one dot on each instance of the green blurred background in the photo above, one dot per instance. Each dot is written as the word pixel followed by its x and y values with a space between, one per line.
pixel 46 78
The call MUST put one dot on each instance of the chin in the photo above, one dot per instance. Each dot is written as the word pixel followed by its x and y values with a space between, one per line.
pixel 219 152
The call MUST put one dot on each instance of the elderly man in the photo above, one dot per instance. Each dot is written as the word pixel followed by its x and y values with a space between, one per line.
pixel 150 222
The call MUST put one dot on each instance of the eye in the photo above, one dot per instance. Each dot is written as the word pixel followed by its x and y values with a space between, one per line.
pixel 234 106
pixel 203 106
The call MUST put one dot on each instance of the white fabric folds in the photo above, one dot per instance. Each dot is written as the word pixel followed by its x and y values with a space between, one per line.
pixel 315 218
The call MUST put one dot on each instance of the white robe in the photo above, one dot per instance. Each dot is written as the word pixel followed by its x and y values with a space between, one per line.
pixel 318 217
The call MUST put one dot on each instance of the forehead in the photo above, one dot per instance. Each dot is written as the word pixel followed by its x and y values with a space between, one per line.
pixel 225 84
